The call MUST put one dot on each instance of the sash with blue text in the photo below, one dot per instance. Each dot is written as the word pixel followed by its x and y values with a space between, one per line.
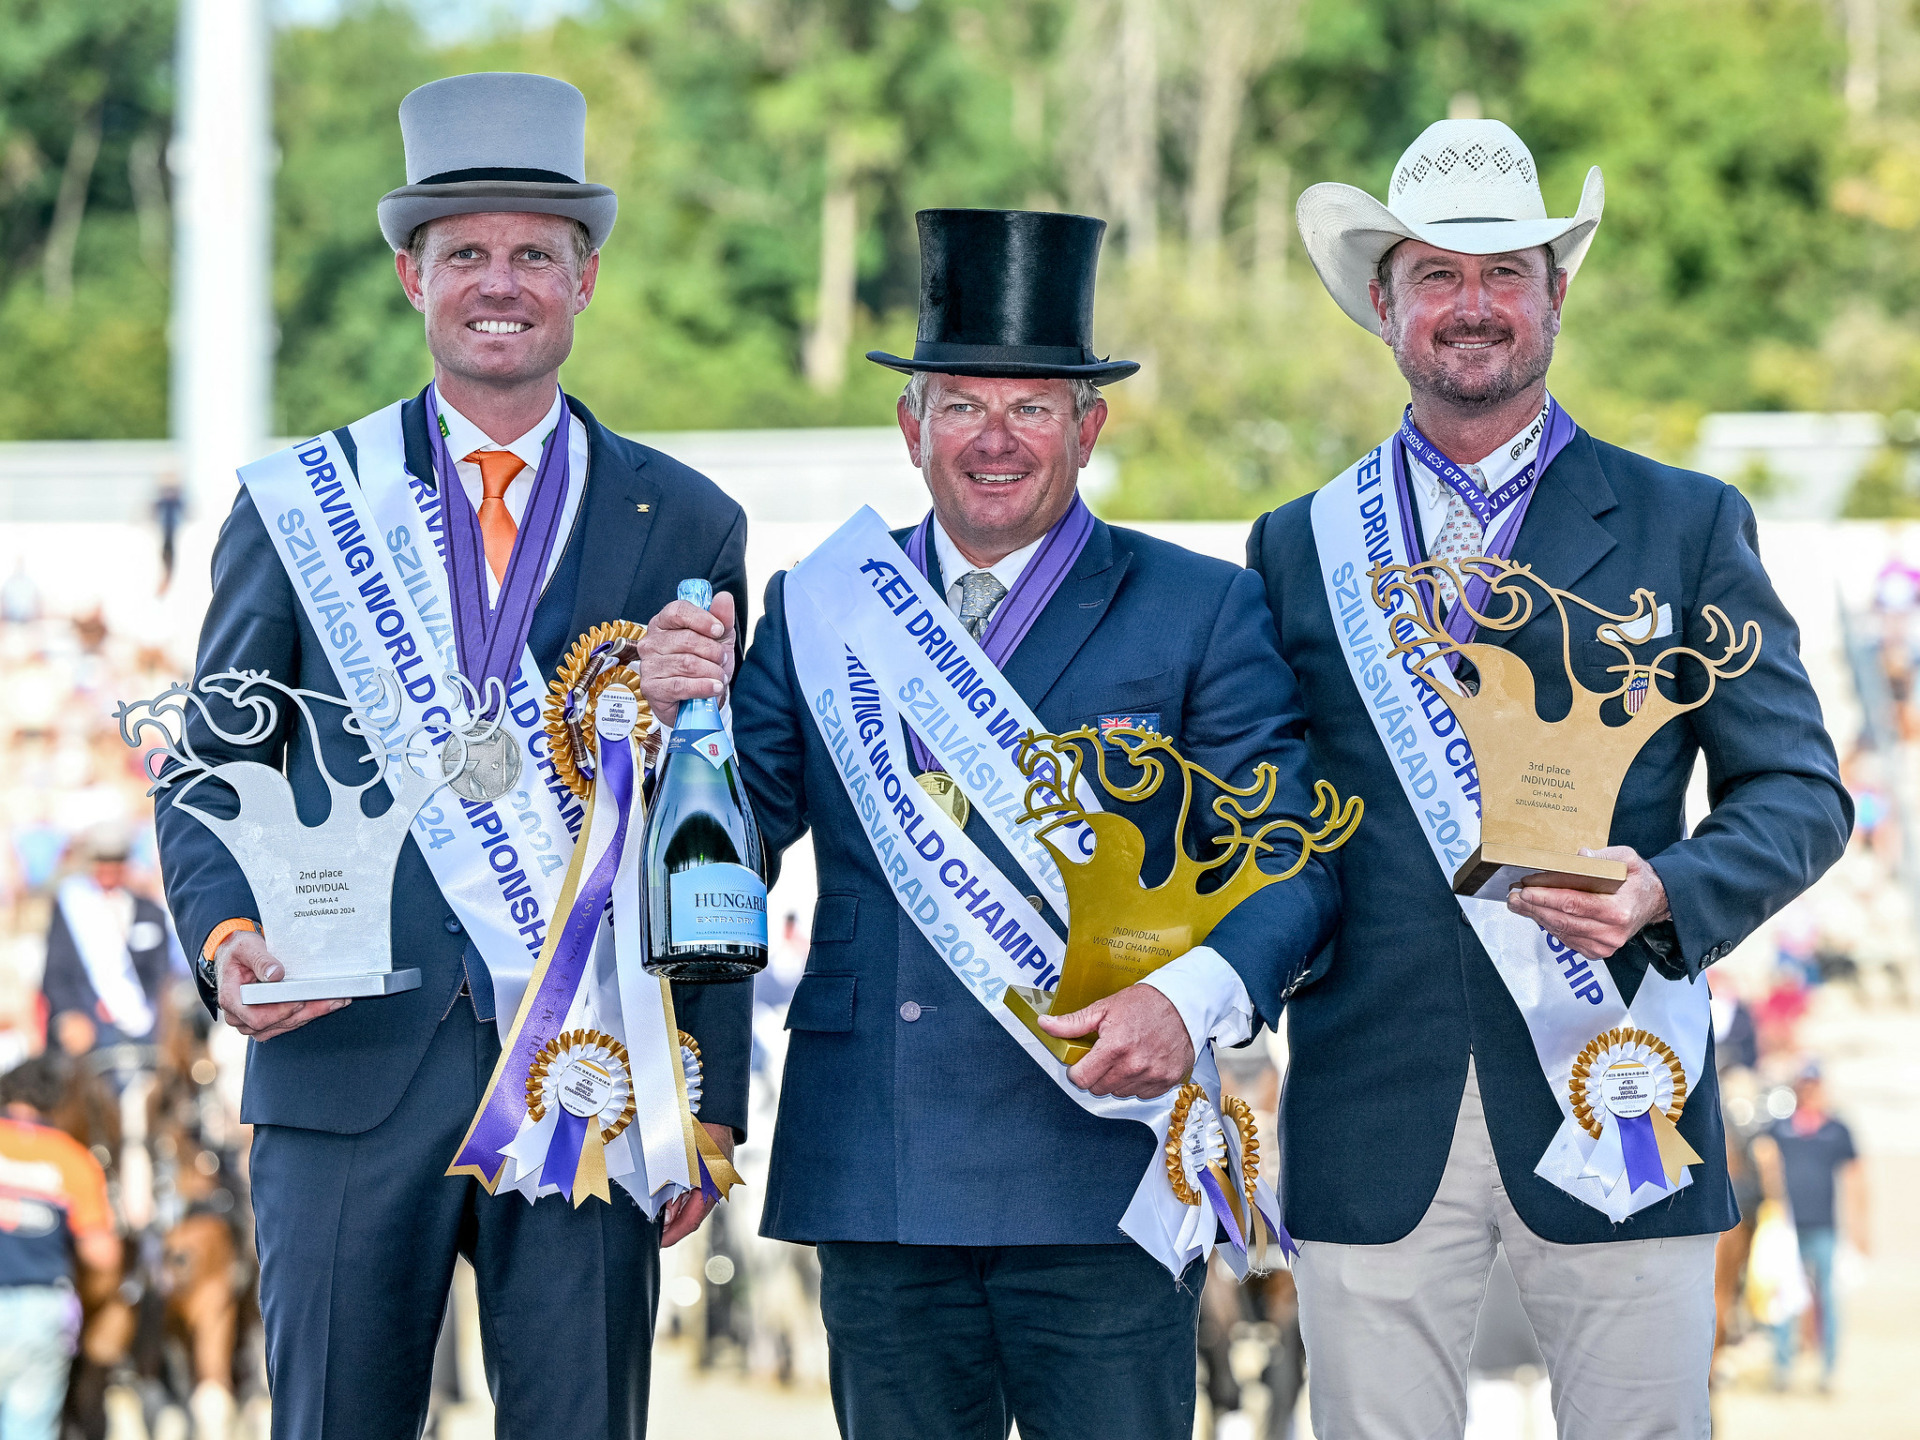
pixel 1361 520
pixel 865 629
pixel 367 561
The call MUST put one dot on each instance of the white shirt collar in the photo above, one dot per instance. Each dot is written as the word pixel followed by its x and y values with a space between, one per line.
pixel 1506 461
pixel 953 564
pixel 464 437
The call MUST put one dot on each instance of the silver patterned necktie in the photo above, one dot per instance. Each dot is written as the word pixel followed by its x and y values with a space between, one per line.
pixel 979 593
pixel 1461 533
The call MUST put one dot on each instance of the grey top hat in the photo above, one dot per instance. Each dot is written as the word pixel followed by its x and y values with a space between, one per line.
pixel 495 141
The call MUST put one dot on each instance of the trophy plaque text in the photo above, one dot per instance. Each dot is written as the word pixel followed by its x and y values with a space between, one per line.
pixel 1119 930
pixel 1547 787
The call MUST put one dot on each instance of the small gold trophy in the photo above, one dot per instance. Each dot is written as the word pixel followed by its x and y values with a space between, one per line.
pixel 1547 787
pixel 1119 930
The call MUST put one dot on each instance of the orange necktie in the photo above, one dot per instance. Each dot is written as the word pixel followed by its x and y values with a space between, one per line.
pixel 497 469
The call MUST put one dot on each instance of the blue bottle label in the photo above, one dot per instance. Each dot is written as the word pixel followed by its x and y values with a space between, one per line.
pixel 713 746
pixel 718 904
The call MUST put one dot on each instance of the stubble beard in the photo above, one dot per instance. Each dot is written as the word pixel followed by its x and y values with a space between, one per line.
pixel 1427 375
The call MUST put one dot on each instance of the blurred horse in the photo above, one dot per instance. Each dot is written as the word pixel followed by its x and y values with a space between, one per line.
pixel 174 1328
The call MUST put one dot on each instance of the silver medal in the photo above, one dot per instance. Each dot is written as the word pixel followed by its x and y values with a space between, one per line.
pixel 481 769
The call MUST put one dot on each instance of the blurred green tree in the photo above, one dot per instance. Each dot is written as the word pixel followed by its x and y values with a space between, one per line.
pixel 85 98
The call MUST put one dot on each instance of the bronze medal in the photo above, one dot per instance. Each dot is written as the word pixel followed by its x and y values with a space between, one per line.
pixel 945 792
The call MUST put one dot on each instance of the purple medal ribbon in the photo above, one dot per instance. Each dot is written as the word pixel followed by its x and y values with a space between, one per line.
pixel 1059 550
pixel 1558 431
pixel 492 638
pixel 506 1102
pixel 1640 1148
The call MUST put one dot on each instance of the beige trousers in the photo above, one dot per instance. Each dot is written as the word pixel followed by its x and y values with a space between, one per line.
pixel 1626 1327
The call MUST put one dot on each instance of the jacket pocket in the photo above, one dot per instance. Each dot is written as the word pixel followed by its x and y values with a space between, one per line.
pixel 822 1002
pixel 1145 691
pixel 834 917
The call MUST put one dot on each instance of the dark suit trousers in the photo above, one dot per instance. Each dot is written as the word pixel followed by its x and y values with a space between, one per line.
pixel 358 1235
pixel 957 1342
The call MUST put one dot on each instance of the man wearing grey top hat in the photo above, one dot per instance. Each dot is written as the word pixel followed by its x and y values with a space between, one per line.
pixel 359 1108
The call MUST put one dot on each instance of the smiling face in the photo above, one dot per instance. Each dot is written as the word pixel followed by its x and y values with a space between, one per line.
pixel 1001 457
pixel 1473 331
pixel 499 292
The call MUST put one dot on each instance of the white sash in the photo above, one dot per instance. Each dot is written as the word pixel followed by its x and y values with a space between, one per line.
pixel 860 621
pixel 363 561
pixel 1565 1001
pixel 99 927
pixel 366 563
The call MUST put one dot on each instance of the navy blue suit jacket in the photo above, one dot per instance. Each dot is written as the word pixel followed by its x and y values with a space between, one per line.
pixel 645 523
pixel 1380 1044
pixel 941 1130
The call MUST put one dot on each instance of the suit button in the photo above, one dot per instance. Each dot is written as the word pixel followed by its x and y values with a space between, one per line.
pixel 910 1011
pixel 453 926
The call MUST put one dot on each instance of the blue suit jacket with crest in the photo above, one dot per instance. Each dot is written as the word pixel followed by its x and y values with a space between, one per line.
pixel 645 523
pixel 940 1129
pixel 1380 1043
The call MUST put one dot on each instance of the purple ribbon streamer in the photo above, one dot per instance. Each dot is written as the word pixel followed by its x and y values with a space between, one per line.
pixel 506 1103
pixel 1015 615
pixel 1641 1150
pixel 1459 622
pixel 1288 1245
pixel 491 639
pixel 563 1154
pixel 1222 1209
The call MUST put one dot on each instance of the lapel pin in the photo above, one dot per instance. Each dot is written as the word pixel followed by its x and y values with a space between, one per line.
pixel 643 509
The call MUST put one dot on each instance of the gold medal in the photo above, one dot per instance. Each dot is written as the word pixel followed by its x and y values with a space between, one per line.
pixel 945 792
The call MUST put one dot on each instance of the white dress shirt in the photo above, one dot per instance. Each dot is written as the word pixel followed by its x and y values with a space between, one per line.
pixel 1211 998
pixel 464 437
pixel 954 566
pixel 1491 471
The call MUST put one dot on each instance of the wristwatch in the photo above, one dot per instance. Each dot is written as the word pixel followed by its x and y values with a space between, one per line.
pixel 204 968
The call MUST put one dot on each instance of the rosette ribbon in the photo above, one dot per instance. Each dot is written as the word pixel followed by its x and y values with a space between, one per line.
pixel 1627 1088
pixel 1214 1168
pixel 550 995
pixel 590 1087
pixel 717 1175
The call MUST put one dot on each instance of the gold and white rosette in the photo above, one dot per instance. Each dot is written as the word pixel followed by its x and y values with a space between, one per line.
pixel 1627 1090
pixel 1215 1172
pixel 606 1088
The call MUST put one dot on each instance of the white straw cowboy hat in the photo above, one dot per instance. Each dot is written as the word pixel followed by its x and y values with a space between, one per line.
pixel 1469 186
pixel 496 141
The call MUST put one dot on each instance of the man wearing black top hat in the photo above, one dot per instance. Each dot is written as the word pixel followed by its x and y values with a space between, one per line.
pixel 967 1202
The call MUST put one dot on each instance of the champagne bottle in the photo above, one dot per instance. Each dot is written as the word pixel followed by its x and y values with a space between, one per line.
pixel 706 880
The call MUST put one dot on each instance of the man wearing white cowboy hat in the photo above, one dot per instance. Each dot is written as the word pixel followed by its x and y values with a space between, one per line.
pixel 1427 1117
pixel 548 524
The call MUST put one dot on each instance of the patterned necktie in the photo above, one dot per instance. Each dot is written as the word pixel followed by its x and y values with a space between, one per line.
pixel 497 530
pixel 979 593
pixel 1461 533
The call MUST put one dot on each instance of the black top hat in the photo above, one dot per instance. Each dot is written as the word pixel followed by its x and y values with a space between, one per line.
pixel 1008 293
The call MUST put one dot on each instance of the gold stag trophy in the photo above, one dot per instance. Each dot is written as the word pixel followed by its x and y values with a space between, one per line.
pixel 1119 930
pixel 1547 787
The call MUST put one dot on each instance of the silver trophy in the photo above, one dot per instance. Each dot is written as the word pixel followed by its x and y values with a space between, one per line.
pixel 324 891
